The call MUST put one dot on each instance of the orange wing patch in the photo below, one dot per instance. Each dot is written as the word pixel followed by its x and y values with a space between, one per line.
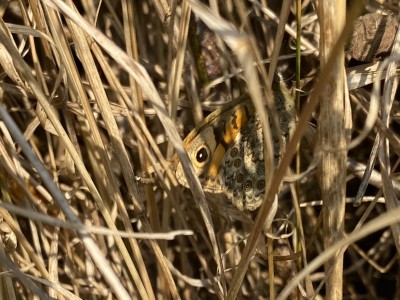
pixel 231 130
pixel 217 158
pixel 239 120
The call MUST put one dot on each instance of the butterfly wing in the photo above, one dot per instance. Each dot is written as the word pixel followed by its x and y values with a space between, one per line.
pixel 207 143
pixel 243 167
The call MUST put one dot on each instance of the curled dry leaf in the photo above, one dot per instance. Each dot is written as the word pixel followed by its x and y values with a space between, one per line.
pixel 7 237
pixel 373 36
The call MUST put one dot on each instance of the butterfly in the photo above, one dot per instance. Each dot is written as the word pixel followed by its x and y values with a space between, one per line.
pixel 226 150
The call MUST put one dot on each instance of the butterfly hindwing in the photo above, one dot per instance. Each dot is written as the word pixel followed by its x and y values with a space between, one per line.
pixel 243 167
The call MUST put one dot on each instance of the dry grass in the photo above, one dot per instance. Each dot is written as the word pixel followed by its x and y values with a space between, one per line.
pixel 95 98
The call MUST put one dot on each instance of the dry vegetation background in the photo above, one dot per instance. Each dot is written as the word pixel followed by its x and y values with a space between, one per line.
pixel 95 97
